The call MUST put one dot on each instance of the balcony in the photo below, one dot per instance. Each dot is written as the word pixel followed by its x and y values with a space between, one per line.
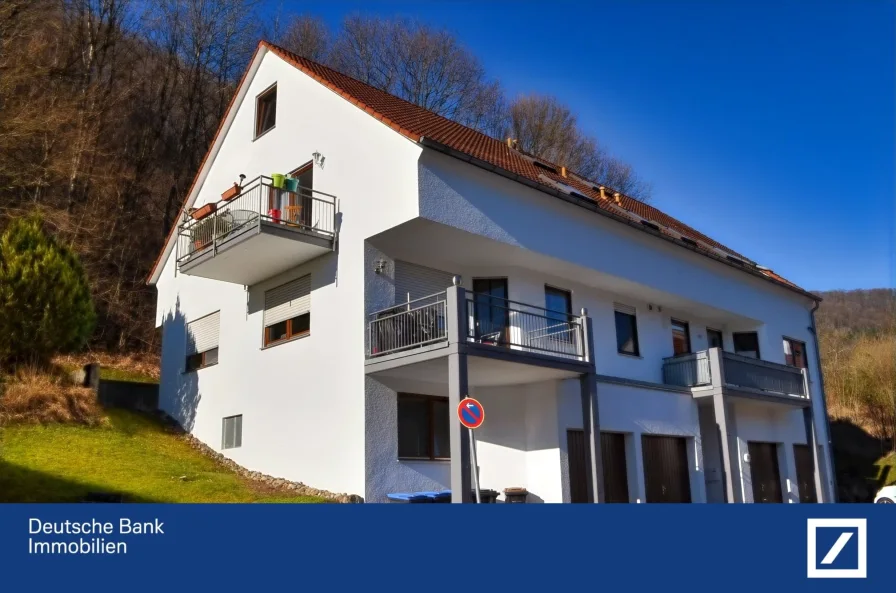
pixel 262 231
pixel 734 374
pixel 483 323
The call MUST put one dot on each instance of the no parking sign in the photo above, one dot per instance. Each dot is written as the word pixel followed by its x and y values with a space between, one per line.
pixel 470 413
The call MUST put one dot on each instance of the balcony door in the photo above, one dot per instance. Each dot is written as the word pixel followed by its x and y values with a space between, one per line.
pixel 491 317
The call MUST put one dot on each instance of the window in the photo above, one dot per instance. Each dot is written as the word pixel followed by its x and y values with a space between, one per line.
pixel 266 111
pixel 287 311
pixel 746 344
pixel 423 427
pixel 681 337
pixel 795 353
pixel 626 330
pixel 714 337
pixel 558 303
pixel 202 342
pixel 232 432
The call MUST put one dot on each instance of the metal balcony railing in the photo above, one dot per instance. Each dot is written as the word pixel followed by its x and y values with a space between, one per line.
pixel 488 320
pixel 304 211
pixel 750 373
pixel 410 325
pixel 501 322
pixel 687 370
pixel 695 370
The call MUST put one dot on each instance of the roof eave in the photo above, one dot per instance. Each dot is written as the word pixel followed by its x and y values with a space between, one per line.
pixel 590 205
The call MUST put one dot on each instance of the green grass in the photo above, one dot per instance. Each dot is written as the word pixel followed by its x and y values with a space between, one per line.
pixel 132 454
pixel 123 375
pixel 887 469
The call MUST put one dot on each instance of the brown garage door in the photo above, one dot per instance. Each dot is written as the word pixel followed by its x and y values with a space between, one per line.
pixel 666 473
pixel 764 472
pixel 612 450
pixel 805 473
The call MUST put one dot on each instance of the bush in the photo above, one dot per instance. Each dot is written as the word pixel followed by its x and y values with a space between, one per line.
pixel 45 304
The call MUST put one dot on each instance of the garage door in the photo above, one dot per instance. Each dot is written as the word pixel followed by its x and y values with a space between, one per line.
pixel 414 282
pixel 666 475
pixel 805 473
pixel 764 473
pixel 612 450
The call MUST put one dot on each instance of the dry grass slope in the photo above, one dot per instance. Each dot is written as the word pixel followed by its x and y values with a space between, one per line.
pixel 33 397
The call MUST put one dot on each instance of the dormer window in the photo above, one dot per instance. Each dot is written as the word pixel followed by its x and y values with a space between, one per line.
pixel 266 111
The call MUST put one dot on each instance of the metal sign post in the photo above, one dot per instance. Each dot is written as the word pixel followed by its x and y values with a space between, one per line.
pixel 471 414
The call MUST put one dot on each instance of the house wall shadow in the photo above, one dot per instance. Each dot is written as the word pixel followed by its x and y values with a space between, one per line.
pixel 21 484
pixel 855 455
pixel 179 394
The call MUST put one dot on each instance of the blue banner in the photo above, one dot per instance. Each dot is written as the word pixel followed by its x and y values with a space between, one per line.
pixel 110 547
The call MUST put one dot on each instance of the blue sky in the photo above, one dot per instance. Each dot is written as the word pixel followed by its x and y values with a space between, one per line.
pixel 768 126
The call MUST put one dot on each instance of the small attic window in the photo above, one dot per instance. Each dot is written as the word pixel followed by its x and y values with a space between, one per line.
pixel 650 225
pixel 576 194
pixel 266 111
pixel 545 167
pixel 689 241
pixel 734 260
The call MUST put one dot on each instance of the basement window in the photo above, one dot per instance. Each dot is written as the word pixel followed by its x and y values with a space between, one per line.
pixel 232 432
pixel 266 111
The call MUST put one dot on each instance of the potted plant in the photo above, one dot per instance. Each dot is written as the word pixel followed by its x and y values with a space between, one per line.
pixel 200 213
pixel 202 233
pixel 231 192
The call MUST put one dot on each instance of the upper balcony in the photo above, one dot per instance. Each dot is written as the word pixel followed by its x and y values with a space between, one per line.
pixel 485 325
pixel 256 231
pixel 737 375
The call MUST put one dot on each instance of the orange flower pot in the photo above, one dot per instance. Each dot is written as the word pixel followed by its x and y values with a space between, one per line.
pixel 231 192
pixel 201 213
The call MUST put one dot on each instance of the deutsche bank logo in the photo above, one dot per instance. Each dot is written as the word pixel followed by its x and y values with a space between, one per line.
pixel 837 549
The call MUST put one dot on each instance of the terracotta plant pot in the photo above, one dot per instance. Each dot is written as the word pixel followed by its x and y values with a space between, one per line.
pixel 202 212
pixel 231 192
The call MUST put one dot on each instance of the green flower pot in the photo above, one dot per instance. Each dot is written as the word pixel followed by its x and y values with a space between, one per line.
pixel 278 179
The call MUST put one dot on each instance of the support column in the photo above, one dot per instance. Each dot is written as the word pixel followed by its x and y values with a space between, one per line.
pixel 726 428
pixel 635 463
pixel 458 388
pixel 809 421
pixel 591 416
pixel 461 468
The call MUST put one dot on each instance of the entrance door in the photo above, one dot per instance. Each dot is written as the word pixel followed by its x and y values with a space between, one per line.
pixel 666 475
pixel 805 473
pixel 612 450
pixel 764 472
pixel 491 317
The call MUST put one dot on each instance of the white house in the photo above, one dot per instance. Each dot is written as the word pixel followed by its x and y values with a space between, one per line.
pixel 325 331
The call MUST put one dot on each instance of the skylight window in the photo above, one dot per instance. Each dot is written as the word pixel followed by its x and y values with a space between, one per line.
pixel 650 225
pixel 545 167
pixel 689 241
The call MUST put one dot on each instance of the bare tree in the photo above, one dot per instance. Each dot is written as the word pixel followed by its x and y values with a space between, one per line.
pixel 423 65
pixel 306 36
pixel 546 128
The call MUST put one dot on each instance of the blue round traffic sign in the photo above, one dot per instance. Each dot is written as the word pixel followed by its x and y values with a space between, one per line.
pixel 470 413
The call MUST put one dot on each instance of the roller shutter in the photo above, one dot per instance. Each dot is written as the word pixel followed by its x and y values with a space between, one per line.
pixel 202 334
pixel 287 301
pixel 418 281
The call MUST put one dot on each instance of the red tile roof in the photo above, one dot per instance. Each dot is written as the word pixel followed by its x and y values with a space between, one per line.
pixel 418 123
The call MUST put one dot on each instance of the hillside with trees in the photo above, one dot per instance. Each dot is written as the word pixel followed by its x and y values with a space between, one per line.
pixel 107 108
pixel 857 335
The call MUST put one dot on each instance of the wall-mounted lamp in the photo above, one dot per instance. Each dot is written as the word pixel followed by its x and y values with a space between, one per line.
pixel 319 159
pixel 379 266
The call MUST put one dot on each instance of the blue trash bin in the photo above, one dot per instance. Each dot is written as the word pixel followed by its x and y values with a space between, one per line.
pixel 408 497
pixel 442 496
